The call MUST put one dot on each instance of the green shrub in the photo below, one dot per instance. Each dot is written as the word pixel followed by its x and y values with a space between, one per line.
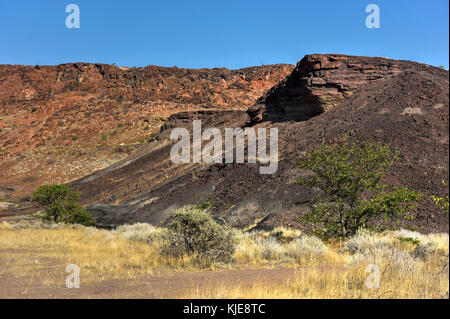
pixel 441 202
pixel 348 175
pixel 67 212
pixel 60 203
pixel 409 240
pixel 204 206
pixel 194 232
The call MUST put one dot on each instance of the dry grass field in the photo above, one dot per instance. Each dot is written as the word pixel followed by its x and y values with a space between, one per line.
pixel 127 263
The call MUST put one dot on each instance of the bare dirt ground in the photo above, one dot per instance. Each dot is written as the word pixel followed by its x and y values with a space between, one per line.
pixel 46 278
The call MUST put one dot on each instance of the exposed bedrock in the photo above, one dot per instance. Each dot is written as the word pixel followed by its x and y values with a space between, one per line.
pixel 319 83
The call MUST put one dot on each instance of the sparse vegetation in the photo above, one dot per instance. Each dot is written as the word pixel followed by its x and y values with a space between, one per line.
pixel 410 240
pixel 348 175
pixel 60 205
pixel 141 232
pixel 441 202
pixel 327 270
pixel 142 140
pixel 193 232
pixel 285 235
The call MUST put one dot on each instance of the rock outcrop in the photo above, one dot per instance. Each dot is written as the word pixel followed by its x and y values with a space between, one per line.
pixel 319 83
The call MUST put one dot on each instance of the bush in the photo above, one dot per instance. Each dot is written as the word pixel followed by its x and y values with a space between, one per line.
pixel 425 250
pixel 306 247
pixel 348 175
pixel 378 249
pixel 139 232
pixel 442 202
pixel 60 203
pixel 285 235
pixel 271 249
pixel 194 232
pixel 364 242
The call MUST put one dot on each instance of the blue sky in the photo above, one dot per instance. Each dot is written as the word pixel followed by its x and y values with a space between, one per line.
pixel 212 33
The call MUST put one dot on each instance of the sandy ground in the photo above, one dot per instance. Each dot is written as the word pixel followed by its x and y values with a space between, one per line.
pixel 47 279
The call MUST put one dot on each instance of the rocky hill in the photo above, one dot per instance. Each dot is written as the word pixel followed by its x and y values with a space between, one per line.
pixel 398 102
pixel 402 103
pixel 59 123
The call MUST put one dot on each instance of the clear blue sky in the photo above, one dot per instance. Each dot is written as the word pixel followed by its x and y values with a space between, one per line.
pixel 213 33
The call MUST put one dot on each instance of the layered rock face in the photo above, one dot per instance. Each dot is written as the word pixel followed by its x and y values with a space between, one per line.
pixel 319 83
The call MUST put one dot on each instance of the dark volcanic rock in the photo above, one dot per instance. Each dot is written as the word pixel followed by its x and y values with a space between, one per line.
pixel 319 83
pixel 398 102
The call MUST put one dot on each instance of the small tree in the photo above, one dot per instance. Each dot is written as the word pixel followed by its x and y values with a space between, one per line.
pixel 60 203
pixel 348 175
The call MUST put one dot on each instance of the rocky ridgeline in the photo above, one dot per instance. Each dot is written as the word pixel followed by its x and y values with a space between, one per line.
pixel 211 87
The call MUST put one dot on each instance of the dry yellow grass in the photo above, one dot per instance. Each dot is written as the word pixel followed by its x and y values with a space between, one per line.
pixel 335 283
pixel 98 252
pixel 411 265
pixel 405 270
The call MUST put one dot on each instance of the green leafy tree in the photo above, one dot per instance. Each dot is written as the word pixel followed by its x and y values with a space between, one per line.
pixel 60 203
pixel 348 178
